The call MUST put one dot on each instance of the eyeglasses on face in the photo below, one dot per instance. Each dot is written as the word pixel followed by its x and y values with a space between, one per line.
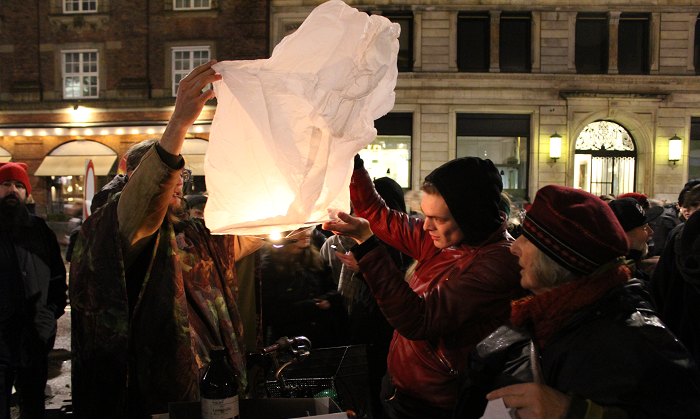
pixel 186 175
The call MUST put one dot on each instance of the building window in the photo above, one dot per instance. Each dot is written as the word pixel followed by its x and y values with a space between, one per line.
pixel 390 153
pixel 405 59
pixel 185 59
pixel 473 42
pixel 514 43
pixel 502 138
pixel 80 74
pixel 693 149
pixel 605 159
pixel 696 55
pixel 191 4
pixel 79 6
pixel 633 44
pixel 591 43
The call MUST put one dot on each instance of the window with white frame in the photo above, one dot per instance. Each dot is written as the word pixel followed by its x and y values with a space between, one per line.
pixel 185 59
pixel 80 6
pixel 191 4
pixel 80 74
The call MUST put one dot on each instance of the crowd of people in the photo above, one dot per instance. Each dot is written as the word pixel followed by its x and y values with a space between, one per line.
pixel 573 307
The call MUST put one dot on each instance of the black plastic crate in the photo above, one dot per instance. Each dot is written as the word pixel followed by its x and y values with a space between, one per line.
pixel 343 369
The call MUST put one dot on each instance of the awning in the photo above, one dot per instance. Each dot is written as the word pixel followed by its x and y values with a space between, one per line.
pixel 5 155
pixel 193 151
pixel 69 159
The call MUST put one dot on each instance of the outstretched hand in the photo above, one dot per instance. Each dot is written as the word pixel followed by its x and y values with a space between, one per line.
pixel 189 103
pixel 354 227
pixel 533 401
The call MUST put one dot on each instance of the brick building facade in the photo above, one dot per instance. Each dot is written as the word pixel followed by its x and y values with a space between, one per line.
pixel 105 71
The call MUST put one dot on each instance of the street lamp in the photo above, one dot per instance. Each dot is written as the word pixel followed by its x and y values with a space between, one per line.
pixel 675 148
pixel 555 147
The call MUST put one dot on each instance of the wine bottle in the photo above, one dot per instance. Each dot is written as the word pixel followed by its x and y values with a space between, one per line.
pixel 219 388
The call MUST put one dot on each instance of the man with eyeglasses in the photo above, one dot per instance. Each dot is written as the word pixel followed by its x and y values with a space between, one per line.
pixel 151 291
pixel 635 221
pixel 32 295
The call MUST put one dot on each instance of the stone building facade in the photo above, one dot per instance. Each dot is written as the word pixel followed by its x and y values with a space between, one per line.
pixel 643 79
pixel 103 72
pixel 496 79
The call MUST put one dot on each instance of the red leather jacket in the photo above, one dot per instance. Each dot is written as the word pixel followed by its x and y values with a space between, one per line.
pixel 456 297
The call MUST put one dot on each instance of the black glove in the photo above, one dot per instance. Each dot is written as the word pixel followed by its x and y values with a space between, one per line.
pixel 359 163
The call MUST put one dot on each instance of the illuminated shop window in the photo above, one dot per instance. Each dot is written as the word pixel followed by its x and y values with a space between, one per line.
pixel 66 196
pixel 503 139
pixel 390 153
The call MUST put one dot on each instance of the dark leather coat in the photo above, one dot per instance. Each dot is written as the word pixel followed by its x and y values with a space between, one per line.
pixel 616 353
pixel 456 297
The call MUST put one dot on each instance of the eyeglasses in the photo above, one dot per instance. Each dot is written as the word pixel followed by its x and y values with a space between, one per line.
pixel 186 175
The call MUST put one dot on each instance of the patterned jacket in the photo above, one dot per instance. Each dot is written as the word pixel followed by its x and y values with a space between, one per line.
pixel 132 365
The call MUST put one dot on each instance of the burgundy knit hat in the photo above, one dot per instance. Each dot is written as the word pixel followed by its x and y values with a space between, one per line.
pixel 15 171
pixel 575 228
pixel 639 197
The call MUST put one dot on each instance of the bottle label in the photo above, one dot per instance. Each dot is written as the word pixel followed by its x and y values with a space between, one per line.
pixel 220 408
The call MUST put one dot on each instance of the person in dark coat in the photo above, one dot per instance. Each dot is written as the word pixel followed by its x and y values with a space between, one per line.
pixel 368 326
pixel 586 344
pixel 635 222
pixel 299 297
pixel 32 295
pixel 662 226
pixel 686 206
pixel 675 284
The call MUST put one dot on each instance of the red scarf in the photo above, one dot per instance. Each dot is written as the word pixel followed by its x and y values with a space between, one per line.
pixel 551 310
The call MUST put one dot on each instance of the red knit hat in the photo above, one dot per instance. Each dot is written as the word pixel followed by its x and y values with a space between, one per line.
pixel 640 197
pixel 15 171
pixel 575 228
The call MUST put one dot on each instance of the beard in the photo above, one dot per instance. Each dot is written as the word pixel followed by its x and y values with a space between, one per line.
pixel 12 208
pixel 176 213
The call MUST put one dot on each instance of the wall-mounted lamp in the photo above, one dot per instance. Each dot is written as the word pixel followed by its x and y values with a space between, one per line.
pixel 555 147
pixel 675 148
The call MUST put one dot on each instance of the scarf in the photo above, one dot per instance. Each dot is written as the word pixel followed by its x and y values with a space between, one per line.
pixel 551 310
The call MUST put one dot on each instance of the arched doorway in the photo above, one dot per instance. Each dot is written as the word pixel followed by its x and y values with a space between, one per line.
pixel 605 159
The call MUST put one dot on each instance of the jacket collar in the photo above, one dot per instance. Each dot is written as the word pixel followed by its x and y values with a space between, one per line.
pixel 499 234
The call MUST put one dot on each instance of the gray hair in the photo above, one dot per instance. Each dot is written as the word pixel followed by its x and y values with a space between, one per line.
pixel 136 153
pixel 549 273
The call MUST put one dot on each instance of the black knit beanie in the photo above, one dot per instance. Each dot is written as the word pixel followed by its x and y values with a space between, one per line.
pixel 391 193
pixel 472 189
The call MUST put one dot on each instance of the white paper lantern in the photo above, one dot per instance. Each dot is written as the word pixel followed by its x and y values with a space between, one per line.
pixel 286 128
